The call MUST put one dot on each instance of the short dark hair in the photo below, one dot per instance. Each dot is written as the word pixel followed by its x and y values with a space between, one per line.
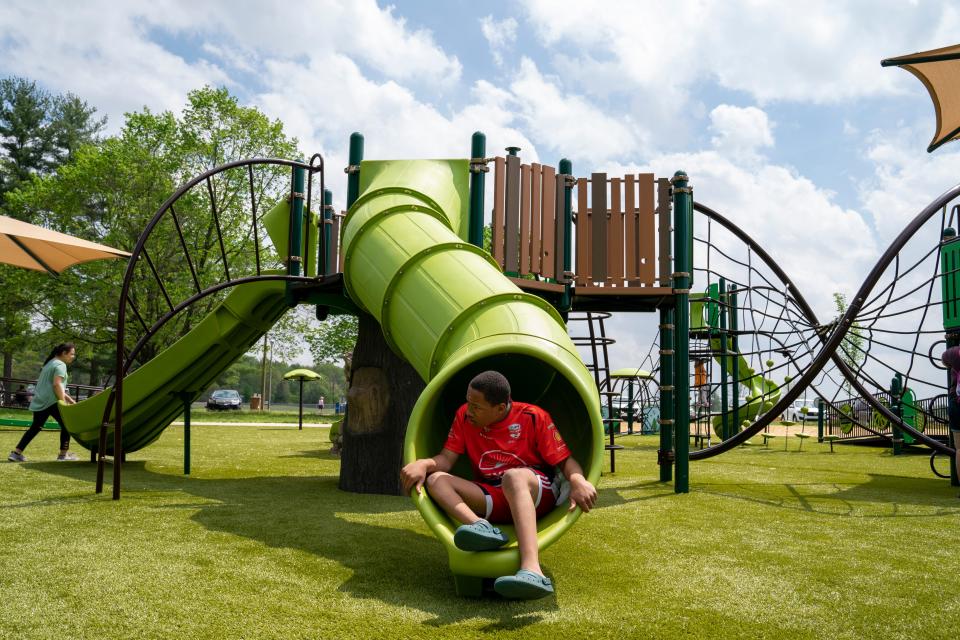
pixel 493 385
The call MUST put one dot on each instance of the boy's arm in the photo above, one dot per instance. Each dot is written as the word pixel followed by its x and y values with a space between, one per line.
pixel 582 492
pixel 415 474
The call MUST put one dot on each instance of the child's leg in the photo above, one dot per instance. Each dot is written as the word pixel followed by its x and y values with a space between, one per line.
pixel 521 487
pixel 462 499
pixel 64 434
pixel 39 418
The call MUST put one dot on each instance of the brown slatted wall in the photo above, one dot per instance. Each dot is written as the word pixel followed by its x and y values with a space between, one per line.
pixel 631 265
pixel 499 189
pixel 584 227
pixel 646 229
pixel 598 224
pixel 511 227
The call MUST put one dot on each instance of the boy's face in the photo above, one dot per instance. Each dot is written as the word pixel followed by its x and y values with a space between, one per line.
pixel 480 412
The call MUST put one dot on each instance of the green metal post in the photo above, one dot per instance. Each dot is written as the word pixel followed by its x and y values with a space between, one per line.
pixel 896 392
pixel 295 247
pixel 683 269
pixel 725 417
pixel 566 169
pixel 820 418
pixel 478 170
pixel 326 260
pixel 353 170
pixel 630 407
pixel 665 454
pixel 735 361
pixel 186 397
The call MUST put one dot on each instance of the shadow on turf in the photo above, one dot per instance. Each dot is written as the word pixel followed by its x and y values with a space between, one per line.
pixel 391 564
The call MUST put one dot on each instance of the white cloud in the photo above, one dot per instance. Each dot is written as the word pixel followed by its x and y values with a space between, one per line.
pixel 500 35
pixel 740 130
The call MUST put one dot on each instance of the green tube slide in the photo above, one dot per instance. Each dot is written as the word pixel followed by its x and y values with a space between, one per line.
pixel 445 306
pixel 152 394
pixel 762 393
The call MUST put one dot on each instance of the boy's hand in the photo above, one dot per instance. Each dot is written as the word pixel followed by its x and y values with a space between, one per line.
pixel 582 494
pixel 413 476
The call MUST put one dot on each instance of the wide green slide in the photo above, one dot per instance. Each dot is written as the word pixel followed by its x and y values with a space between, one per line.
pixel 445 306
pixel 153 393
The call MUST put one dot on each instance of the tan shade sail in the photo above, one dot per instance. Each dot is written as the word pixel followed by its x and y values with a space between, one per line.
pixel 32 247
pixel 939 71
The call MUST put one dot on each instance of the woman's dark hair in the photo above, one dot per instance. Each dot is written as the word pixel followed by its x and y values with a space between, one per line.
pixel 493 385
pixel 59 350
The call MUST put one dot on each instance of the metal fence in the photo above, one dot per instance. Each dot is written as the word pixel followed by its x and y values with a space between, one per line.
pixel 856 418
pixel 17 393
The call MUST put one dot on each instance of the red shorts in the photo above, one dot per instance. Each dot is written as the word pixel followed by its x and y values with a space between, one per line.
pixel 498 509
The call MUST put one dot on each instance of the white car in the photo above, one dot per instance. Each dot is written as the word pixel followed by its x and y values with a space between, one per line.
pixel 802 410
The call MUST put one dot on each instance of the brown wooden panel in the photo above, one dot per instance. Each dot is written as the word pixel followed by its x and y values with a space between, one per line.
pixel 499 182
pixel 663 220
pixel 630 229
pixel 537 285
pixel 615 236
pixel 557 187
pixel 548 222
pixel 646 227
pixel 524 220
pixel 584 226
pixel 536 228
pixel 511 226
pixel 598 231
pixel 623 291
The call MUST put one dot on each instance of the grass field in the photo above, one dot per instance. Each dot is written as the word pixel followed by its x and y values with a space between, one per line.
pixel 260 543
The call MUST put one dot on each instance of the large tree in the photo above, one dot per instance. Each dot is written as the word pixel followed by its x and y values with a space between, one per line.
pixel 109 191
pixel 39 131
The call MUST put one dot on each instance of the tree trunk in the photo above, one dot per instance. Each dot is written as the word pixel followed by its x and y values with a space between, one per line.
pixel 383 390
pixel 7 373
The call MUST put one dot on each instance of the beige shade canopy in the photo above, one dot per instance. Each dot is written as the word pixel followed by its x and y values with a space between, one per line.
pixel 32 247
pixel 939 71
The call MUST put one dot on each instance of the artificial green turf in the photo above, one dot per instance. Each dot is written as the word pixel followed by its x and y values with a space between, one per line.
pixel 259 542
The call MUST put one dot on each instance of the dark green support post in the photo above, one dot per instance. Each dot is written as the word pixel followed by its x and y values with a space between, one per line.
pixel 630 407
pixel 735 360
pixel 327 250
pixel 566 170
pixel 297 197
pixel 353 169
pixel 820 418
pixel 478 171
pixel 725 417
pixel 665 455
pixel 682 277
pixel 896 393
pixel 186 397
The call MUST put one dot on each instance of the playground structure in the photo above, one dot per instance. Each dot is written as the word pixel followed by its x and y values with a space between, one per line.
pixel 410 253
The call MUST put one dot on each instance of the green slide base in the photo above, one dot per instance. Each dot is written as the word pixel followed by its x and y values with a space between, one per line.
pixel 152 395
pixel 468 586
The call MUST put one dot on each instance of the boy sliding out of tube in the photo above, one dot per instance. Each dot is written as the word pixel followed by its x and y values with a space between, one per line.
pixel 514 449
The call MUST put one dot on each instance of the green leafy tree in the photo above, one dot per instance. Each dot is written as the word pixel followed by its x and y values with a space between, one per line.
pixel 38 133
pixel 334 340
pixel 110 190
pixel 852 350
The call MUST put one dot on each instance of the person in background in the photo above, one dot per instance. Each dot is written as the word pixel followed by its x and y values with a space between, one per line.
pixel 951 358
pixel 51 388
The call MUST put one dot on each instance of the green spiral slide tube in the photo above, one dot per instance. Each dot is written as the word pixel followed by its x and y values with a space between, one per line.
pixel 445 306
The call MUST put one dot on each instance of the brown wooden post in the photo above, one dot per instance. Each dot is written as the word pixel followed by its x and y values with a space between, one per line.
pixel 663 214
pixel 549 221
pixel 598 193
pixel 615 235
pixel 631 255
pixel 499 182
pixel 584 226
pixel 511 227
pixel 536 226
pixel 524 220
pixel 646 231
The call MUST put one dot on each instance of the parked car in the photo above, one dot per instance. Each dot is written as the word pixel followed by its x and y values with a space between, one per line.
pixel 802 410
pixel 223 399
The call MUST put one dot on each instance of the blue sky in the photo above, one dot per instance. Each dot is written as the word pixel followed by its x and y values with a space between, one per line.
pixel 779 111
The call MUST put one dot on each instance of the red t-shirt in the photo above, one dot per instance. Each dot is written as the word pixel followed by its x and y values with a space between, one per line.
pixel 526 437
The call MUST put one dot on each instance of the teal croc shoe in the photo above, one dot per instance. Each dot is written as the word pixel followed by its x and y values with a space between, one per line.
pixel 479 536
pixel 525 585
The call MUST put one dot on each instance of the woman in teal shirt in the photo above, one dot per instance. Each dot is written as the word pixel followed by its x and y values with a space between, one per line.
pixel 51 388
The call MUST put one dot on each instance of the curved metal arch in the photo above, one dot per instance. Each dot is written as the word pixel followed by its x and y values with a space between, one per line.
pixel 829 347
